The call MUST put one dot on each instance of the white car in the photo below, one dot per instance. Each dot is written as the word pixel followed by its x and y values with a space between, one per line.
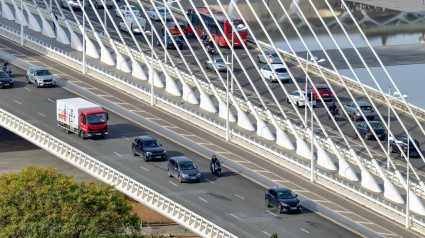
pixel 132 23
pixel 126 11
pixel 152 14
pixel 300 98
pixel 282 73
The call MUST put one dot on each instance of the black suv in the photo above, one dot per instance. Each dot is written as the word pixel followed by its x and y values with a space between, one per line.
pixel 149 148
pixel 402 141
pixel 283 199
pixel 170 43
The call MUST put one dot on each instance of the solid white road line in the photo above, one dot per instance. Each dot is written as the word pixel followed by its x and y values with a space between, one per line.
pixel 144 168
pixel 203 199
pixel 41 114
pixel 118 154
pixel 239 197
pixel 18 102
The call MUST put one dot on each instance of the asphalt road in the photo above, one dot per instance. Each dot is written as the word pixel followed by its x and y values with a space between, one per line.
pixel 231 201
pixel 346 127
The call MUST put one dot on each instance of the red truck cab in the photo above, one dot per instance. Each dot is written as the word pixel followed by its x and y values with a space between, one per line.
pixel 93 123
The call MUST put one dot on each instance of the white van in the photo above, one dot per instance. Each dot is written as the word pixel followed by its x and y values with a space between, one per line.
pixel 132 23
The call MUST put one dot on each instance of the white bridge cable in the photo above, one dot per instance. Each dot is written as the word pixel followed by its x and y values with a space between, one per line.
pixel 367 95
pixel 391 80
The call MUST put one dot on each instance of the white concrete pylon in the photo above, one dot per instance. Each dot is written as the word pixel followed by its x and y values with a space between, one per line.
pixel 170 84
pixel 367 179
pixel 18 15
pixel 344 169
pixel 47 29
pixel 122 63
pixel 243 119
pixel 222 106
pixel 137 71
pixel 106 57
pixel 205 101
pixel 323 158
pixel 6 12
pixel 303 149
pixel 282 139
pixel 262 129
pixel 415 203
pixel 61 35
pixel 91 49
pixel 390 191
pixel 32 21
pixel 188 94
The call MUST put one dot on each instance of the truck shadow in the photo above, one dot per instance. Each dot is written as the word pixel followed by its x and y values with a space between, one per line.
pixel 126 130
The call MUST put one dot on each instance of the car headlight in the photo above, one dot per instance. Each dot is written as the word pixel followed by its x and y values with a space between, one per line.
pixel 185 175
pixel 165 152
pixel 88 134
pixel 299 204
pixel 148 153
pixel 198 175
pixel 284 204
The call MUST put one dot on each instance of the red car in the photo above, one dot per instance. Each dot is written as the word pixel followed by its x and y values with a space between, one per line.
pixel 323 90
pixel 175 30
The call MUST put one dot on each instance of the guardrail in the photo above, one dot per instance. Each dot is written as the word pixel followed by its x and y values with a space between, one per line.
pixel 383 205
pixel 109 175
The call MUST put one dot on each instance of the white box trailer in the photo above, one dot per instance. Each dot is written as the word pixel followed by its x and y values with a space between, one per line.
pixel 70 112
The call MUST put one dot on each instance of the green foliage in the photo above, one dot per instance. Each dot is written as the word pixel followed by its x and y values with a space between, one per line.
pixel 273 235
pixel 38 202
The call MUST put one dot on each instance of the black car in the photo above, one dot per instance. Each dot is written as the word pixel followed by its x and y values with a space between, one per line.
pixel 170 43
pixel 283 199
pixel 377 126
pixel 402 141
pixel 149 148
pixel 5 80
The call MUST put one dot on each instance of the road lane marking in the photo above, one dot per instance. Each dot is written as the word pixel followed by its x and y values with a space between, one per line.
pixel 51 100
pixel 118 154
pixel 305 231
pixel 271 213
pixel 239 197
pixel 173 183
pixel 27 89
pixel 342 211
pixel 265 232
pixel 18 102
pixel 41 114
pixel 209 181
pixel 203 199
pixel 125 137
pixel 92 141
pixel 144 168
pixel 235 216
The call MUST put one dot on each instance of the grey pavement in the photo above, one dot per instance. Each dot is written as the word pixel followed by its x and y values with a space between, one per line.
pixel 416 6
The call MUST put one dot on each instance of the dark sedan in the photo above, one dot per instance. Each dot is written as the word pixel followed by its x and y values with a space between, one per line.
pixel 283 199
pixel 5 80
pixel 170 43
pixel 377 126
pixel 149 148
pixel 402 142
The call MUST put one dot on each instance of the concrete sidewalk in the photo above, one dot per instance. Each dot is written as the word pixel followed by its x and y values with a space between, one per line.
pixel 415 6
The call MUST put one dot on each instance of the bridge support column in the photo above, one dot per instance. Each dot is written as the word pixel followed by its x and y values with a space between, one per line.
pixel 243 119
pixel 47 29
pixel 206 102
pixel 91 49
pixel 32 21
pixel 18 15
pixel 344 168
pixel 188 94
pixel 302 148
pixel 262 129
pixel 222 106
pixel 75 40
pixel 282 139
pixel 122 63
pixel 157 80
pixel 137 70
pixel 170 84
pixel 390 190
pixel 106 57
pixel 60 33
pixel 6 12
pixel 368 181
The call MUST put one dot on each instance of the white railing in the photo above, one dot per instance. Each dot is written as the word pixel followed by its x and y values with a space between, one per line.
pixel 109 175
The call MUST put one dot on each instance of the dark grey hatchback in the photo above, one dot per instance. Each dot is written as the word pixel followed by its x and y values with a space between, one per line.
pixel 183 169
pixel 5 80
pixel 283 199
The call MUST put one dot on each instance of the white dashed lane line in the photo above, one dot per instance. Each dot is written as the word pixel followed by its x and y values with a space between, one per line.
pixel 235 216
pixel 173 183
pixel 209 181
pixel 51 100
pixel 144 168
pixel 27 89
pixel 202 199
pixel 41 114
pixel 239 197
pixel 118 154
pixel 125 137
pixel 18 102
pixel 271 213
pixel 265 232
pixel 305 231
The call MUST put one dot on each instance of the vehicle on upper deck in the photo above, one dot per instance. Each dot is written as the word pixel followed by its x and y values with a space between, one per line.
pixel 5 80
pixel 154 16
pixel 218 62
pixel 224 24
pixel 170 43
pixel 281 72
pixel 323 90
pixel 125 10
pixel 71 4
pixel 300 98
pixel 174 30
pixel 354 112
pixel 402 142
pixel 99 3
pixel 41 77
pixel 379 129
pixel 133 24
pixel 271 56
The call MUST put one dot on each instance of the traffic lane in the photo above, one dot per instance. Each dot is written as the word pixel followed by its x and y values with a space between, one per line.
pixel 112 155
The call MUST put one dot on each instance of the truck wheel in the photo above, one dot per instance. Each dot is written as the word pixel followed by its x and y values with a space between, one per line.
pixel 82 135
pixel 67 131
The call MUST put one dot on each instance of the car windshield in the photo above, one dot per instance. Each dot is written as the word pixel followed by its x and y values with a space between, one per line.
pixel 219 60
pixel 161 10
pixel 323 89
pixel 42 72
pixel 150 144
pixel 187 166
pixel 134 8
pixel 411 145
pixel 281 70
pixel 377 125
pixel 275 55
pixel 285 194
pixel 366 108
pixel 96 119
pixel 3 75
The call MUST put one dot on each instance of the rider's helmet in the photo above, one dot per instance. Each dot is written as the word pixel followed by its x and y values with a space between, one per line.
pixel 213 157
pixel 209 40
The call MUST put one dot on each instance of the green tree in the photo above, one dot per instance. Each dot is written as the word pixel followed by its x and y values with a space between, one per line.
pixel 273 235
pixel 39 202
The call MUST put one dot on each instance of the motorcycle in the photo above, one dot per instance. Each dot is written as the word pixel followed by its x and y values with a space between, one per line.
pixel 216 169
pixel 7 69
pixel 211 50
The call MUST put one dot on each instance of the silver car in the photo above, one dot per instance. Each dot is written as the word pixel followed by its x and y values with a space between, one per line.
pixel 281 73
pixel 108 3
pixel 71 4
pixel 271 57
pixel 154 16
pixel 218 62
pixel 41 77
pixel 355 114
pixel 183 169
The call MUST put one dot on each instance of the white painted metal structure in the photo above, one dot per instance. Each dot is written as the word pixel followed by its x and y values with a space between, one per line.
pixel 268 125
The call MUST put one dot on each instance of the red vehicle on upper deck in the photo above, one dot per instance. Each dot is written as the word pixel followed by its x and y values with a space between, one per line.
pixel 225 25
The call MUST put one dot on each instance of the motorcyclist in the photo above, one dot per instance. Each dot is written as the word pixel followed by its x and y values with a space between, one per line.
pixel 333 109
pixel 210 45
pixel 6 66
pixel 214 162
